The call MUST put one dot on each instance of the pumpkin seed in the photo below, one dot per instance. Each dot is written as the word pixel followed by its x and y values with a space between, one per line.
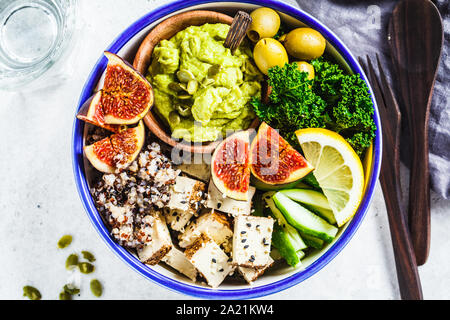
pixel 32 293
pixel 175 86
pixel 185 75
pixel 184 96
pixel 96 288
pixel 70 289
pixel 88 256
pixel 192 86
pixel 65 296
pixel 65 241
pixel 213 70
pixel 207 82
pixel 174 118
pixel 71 261
pixel 86 267
pixel 183 110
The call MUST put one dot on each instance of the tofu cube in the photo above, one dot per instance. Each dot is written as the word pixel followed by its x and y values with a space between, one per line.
pixel 160 243
pixel 178 219
pixel 177 260
pixel 213 224
pixel 186 195
pixel 210 261
pixel 251 241
pixel 200 171
pixel 251 274
pixel 217 201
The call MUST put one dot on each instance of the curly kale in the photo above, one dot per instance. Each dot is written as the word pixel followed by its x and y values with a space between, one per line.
pixel 333 100
pixel 293 104
pixel 349 105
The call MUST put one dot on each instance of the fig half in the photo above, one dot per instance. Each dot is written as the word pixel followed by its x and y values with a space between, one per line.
pixel 126 95
pixel 230 166
pixel 116 151
pixel 92 112
pixel 274 161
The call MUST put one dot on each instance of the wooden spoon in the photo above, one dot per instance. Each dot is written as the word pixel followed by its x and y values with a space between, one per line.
pixel 415 37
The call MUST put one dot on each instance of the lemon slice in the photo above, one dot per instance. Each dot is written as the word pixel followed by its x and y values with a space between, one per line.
pixel 338 170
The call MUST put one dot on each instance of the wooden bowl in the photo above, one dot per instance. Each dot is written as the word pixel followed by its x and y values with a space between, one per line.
pixel 164 31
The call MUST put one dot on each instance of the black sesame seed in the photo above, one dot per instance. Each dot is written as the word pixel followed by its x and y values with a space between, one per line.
pixel 230 259
pixel 221 270
pixel 213 260
pixel 249 225
pixel 246 246
pixel 183 201
pixel 243 240
pixel 219 205
pixel 243 232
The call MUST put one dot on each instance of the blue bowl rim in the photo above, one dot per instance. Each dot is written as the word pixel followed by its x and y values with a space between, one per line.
pixel 167 282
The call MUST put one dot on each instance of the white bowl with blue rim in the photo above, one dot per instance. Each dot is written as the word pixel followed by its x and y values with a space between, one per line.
pixel 278 279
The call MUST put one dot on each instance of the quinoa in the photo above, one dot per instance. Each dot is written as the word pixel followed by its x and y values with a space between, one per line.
pixel 128 198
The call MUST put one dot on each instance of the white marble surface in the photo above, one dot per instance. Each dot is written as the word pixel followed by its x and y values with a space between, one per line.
pixel 39 202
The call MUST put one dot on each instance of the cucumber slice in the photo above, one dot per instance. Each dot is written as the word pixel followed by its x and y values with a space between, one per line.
pixel 328 215
pixel 311 197
pixel 314 201
pixel 282 242
pixel 311 241
pixel 275 212
pixel 284 237
pixel 303 219
pixel 291 233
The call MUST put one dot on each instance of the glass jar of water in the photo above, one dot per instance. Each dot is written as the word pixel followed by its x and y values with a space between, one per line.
pixel 34 35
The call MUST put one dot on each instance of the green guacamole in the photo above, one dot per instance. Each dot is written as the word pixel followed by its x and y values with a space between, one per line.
pixel 201 89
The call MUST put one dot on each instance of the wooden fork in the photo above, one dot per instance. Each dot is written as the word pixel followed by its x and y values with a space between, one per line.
pixel 405 260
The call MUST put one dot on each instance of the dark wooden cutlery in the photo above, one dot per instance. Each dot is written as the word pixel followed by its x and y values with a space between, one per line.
pixel 405 261
pixel 415 37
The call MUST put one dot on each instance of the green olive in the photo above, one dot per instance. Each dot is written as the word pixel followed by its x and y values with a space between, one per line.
pixel 268 53
pixel 265 24
pixel 306 67
pixel 305 43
